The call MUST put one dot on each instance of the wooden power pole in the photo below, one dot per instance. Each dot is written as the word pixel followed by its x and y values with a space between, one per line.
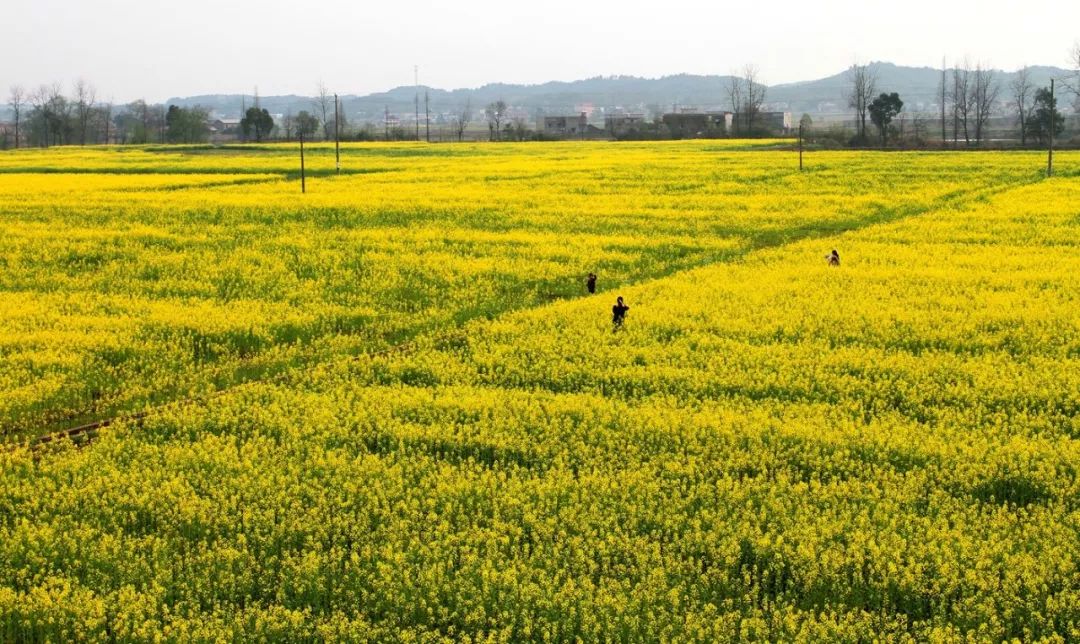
pixel 337 137
pixel 800 146
pixel 303 179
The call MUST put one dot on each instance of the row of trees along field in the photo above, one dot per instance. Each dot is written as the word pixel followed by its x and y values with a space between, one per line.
pixel 968 98
pixel 48 116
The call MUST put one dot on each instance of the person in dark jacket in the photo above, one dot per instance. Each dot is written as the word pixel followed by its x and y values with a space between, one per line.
pixel 618 313
pixel 590 282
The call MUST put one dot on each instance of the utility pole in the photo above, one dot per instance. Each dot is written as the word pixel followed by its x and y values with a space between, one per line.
pixel 800 146
pixel 303 178
pixel 1053 122
pixel 416 98
pixel 337 137
pixel 427 117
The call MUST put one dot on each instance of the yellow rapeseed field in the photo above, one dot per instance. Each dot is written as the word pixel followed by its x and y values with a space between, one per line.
pixel 427 430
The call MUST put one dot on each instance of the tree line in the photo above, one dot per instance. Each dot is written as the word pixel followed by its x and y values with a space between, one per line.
pixel 968 97
pixel 48 116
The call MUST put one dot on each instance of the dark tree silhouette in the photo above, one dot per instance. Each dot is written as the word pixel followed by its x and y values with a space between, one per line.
pixel 1044 115
pixel 883 110
pixel 258 122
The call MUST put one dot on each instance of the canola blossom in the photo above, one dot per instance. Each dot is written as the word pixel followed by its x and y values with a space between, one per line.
pixel 769 448
pixel 139 277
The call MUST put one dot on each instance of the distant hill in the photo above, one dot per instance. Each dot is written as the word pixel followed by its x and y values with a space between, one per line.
pixel 627 92
pixel 918 86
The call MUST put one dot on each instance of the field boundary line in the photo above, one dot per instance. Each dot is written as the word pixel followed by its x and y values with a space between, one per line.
pixel 82 434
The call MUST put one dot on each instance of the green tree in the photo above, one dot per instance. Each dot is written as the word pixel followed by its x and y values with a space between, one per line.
pixel 258 122
pixel 175 124
pixel 306 124
pixel 1045 114
pixel 186 124
pixel 883 110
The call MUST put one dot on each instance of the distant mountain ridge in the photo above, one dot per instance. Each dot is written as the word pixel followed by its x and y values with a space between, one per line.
pixel 918 86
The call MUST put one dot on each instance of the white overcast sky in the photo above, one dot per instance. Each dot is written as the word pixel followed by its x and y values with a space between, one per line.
pixel 157 49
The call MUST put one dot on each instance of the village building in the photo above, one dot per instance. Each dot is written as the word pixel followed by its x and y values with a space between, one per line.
pixel 778 122
pixel 618 124
pixel 697 123
pixel 560 127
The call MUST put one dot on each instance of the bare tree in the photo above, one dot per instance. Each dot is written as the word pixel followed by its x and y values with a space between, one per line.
pixel 918 129
pixel 462 119
pixel 427 117
pixel 106 118
pixel 734 95
pixel 495 113
pixel 984 94
pixel 863 85
pixel 961 101
pixel 1021 91
pixel 60 108
pixel 85 95
pixel 755 94
pixel 39 98
pixel 287 125
pixel 323 102
pixel 342 123
pixel 1074 62
pixel 51 108
pixel 942 91
pixel 17 100
pixel 519 129
pixel 141 111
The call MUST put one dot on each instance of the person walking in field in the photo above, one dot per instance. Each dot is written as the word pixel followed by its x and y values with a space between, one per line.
pixel 618 313
pixel 834 258
pixel 590 282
